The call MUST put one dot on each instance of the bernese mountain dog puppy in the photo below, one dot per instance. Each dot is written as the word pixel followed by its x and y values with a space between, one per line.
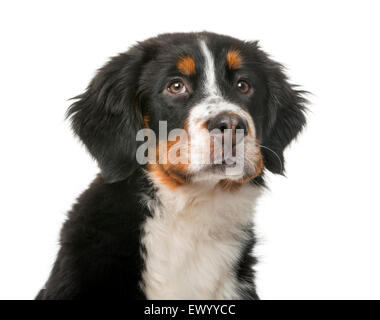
pixel 167 229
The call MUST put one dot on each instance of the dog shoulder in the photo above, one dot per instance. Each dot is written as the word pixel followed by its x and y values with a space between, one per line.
pixel 100 244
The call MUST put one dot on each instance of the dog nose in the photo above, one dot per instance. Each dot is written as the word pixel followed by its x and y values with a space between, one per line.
pixel 227 121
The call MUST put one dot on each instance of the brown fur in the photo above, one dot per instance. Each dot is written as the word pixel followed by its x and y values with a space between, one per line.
pixel 234 59
pixel 186 65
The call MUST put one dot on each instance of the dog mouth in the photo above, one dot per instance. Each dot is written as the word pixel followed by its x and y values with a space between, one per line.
pixel 241 162
pixel 221 166
pixel 225 167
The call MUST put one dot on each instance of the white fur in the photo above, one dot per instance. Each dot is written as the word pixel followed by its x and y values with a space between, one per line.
pixel 193 241
pixel 211 87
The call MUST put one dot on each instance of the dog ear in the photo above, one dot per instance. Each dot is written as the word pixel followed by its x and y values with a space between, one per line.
pixel 285 115
pixel 106 117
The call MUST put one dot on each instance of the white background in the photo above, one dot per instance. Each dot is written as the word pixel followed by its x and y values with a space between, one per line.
pixel 319 228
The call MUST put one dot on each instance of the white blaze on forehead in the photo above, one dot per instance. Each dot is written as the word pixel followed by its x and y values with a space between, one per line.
pixel 213 103
pixel 211 86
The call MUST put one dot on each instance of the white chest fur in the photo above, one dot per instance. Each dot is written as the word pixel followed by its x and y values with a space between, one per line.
pixel 193 242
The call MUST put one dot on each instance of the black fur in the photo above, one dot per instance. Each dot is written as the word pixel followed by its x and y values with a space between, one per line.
pixel 106 113
pixel 101 255
pixel 100 250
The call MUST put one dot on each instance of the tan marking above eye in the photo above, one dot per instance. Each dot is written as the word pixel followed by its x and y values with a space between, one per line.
pixel 186 65
pixel 234 59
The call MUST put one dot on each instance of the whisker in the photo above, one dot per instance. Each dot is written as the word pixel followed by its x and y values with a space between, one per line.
pixel 278 157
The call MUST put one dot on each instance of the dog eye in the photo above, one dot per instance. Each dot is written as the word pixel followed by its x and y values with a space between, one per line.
pixel 177 87
pixel 243 86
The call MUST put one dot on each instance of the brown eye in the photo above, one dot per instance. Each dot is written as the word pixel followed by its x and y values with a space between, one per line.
pixel 243 86
pixel 177 87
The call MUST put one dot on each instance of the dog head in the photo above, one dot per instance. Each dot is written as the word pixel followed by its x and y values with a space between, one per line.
pixel 213 88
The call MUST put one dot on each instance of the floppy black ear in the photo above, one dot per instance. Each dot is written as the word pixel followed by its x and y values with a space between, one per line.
pixel 106 117
pixel 286 115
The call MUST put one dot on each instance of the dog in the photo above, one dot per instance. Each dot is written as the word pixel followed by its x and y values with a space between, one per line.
pixel 166 230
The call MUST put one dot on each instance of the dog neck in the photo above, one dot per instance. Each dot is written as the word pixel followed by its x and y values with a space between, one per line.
pixel 194 239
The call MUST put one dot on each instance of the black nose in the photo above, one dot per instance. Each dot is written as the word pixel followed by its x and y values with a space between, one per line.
pixel 227 120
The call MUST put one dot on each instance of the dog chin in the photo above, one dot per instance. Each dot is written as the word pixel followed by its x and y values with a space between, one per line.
pixel 214 173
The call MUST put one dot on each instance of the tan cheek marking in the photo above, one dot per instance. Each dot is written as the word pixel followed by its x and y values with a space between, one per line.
pixel 233 59
pixel 186 65
pixel 169 174
pixel 165 177
pixel 146 121
pixel 260 166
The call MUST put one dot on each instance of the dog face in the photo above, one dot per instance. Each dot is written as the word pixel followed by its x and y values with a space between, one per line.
pixel 221 92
